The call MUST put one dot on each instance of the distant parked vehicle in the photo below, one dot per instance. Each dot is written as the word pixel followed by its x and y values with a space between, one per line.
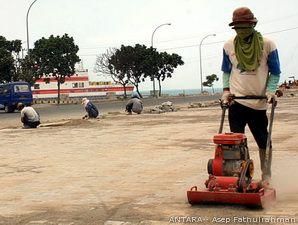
pixel 13 93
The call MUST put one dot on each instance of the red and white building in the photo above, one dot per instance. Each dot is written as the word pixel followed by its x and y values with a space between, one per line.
pixel 75 86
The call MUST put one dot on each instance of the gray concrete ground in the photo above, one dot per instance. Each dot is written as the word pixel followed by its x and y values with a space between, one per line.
pixel 133 170
pixel 74 111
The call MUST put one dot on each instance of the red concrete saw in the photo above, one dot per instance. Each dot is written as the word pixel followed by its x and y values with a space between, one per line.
pixel 231 171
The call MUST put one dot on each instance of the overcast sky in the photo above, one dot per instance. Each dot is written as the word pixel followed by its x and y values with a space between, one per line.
pixel 99 24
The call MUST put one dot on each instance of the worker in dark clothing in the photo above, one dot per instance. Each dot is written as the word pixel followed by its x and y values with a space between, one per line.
pixel 91 109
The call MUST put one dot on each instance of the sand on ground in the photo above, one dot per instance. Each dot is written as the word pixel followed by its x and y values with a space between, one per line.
pixel 135 169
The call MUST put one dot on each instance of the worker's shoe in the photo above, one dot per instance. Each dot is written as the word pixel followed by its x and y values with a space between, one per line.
pixel 25 126
pixel 264 183
pixel 265 166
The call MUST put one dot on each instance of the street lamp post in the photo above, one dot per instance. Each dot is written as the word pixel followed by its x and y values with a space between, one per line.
pixel 152 47
pixel 27 27
pixel 201 59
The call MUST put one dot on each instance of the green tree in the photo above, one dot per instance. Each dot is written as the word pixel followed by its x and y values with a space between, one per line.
pixel 55 56
pixel 135 63
pixel 210 80
pixel 103 68
pixel 9 56
pixel 166 64
pixel 25 72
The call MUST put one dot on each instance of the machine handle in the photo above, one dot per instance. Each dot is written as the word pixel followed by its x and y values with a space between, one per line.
pixel 249 97
pixel 224 107
pixel 223 114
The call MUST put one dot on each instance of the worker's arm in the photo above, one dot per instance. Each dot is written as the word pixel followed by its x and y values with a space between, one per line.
pixel 226 67
pixel 129 105
pixel 226 81
pixel 274 71
pixel 272 83
pixel 22 116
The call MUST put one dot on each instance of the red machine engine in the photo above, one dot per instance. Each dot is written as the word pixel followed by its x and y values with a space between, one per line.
pixel 230 176
pixel 231 169
pixel 230 152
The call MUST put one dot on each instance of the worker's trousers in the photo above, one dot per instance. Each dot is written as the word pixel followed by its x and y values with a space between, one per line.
pixel 257 121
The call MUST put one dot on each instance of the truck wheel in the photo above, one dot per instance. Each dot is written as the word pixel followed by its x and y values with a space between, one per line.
pixel 9 109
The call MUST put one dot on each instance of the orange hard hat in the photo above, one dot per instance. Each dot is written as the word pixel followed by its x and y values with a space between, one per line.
pixel 243 15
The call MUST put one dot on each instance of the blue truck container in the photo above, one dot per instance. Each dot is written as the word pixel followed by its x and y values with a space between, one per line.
pixel 13 93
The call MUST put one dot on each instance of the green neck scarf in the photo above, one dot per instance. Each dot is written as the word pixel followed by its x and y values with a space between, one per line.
pixel 248 48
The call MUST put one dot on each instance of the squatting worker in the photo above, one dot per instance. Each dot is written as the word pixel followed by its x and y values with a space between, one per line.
pixel 91 109
pixel 29 117
pixel 250 67
pixel 134 104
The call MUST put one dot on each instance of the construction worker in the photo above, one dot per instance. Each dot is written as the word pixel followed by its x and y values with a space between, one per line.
pixel 250 67
pixel 29 117
pixel 134 104
pixel 91 109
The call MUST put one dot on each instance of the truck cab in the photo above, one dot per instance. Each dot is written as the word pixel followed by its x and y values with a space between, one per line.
pixel 13 93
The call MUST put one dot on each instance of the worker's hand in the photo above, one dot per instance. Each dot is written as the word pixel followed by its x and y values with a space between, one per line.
pixel 270 97
pixel 279 93
pixel 226 97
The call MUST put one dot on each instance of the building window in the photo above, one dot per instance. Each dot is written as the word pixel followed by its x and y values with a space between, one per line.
pixel 81 85
pixel 74 85
pixel 47 80
pixel 36 86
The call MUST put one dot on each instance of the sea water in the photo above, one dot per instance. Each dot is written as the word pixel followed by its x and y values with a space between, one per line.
pixel 177 92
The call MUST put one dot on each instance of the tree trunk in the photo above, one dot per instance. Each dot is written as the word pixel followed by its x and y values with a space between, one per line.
pixel 124 88
pixel 58 84
pixel 159 86
pixel 212 89
pixel 137 87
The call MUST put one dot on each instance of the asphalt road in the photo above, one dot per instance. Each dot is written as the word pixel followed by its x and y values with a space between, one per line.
pixel 55 112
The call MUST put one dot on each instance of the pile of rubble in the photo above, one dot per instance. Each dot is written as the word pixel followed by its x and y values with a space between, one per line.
pixel 164 107
pixel 203 104
pixel 291 92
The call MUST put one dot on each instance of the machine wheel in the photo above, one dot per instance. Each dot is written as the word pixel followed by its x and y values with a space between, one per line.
pixel 246 175
pixel 209 166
